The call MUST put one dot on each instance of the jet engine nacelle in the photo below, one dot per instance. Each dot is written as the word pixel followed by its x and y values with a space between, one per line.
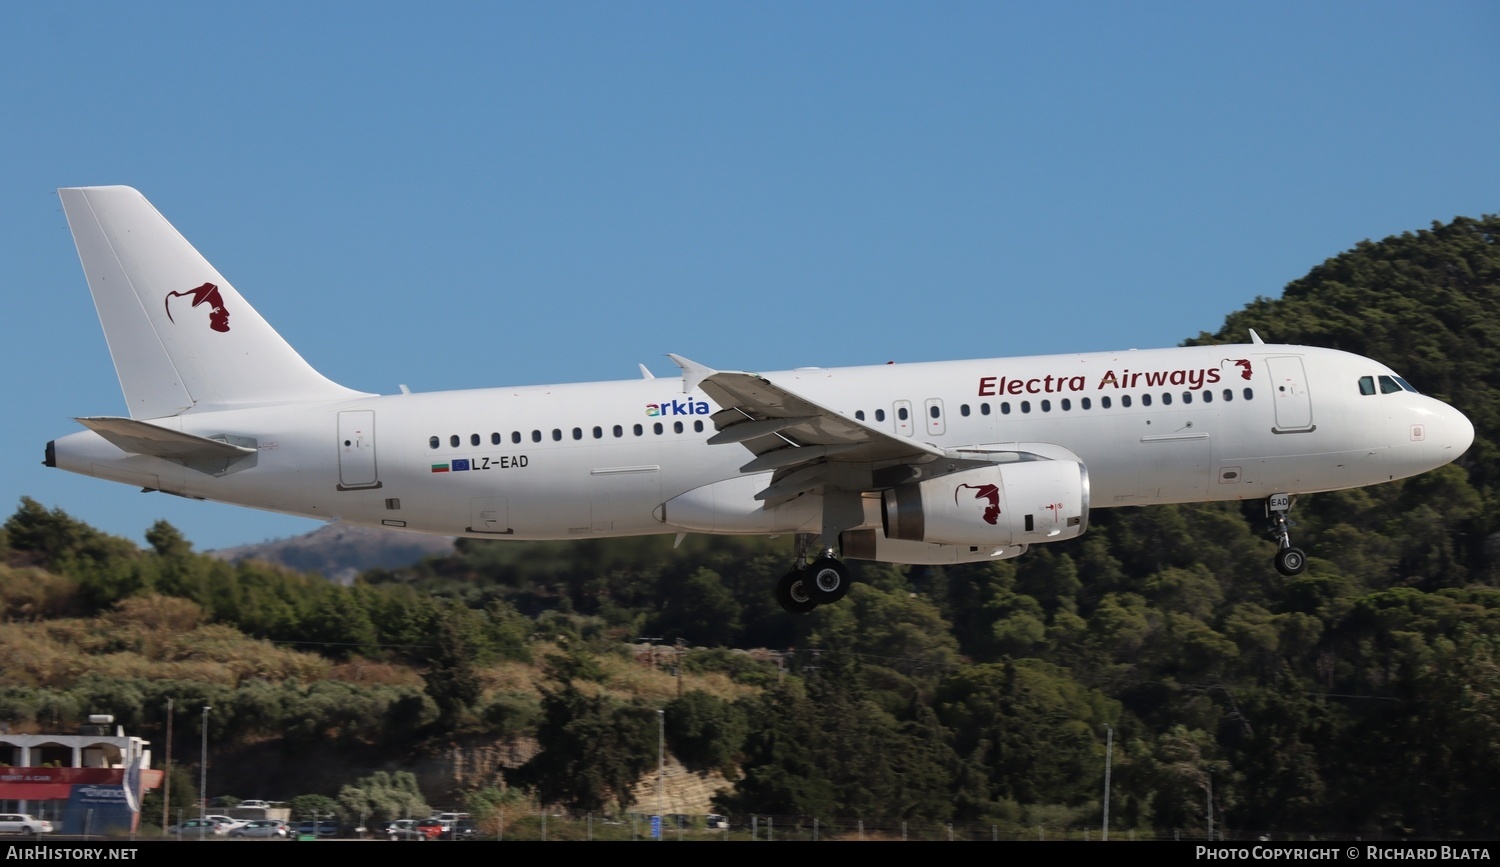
pixel 1013 504
pixel 871 544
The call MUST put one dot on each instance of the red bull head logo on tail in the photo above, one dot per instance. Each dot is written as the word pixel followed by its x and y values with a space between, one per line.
pixel 208 293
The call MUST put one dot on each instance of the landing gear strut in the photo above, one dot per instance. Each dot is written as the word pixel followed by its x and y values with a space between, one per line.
pixel 806 587
pixel 1289 561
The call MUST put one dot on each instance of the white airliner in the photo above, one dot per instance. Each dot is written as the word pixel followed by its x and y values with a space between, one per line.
pixel 943 462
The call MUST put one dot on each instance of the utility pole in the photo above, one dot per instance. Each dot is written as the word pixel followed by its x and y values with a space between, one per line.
pixel 661 773
pixel 680 650
pixel 653 641
pixel 166 795
pixel 1109 755
pixel 203 779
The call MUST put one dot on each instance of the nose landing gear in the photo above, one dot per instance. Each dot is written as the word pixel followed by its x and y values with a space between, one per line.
pixel 1289 560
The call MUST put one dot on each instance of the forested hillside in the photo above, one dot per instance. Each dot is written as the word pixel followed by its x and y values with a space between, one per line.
pixel 1360 697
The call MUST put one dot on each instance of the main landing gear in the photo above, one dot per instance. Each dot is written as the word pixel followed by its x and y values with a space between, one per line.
pixel 1289 561
pixel 824 581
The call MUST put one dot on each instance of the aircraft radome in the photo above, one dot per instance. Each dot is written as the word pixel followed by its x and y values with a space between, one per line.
pixel 940 462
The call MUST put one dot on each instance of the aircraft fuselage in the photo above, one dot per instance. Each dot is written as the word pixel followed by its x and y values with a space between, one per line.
pixel 590 460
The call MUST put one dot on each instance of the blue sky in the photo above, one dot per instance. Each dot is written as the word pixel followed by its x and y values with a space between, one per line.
pixel 458 195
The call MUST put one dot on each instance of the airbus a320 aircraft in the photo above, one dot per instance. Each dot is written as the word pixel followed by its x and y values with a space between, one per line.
pixel 945 462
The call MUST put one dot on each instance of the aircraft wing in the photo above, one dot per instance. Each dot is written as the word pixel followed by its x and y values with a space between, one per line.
pixel 211 456
pixel 790 434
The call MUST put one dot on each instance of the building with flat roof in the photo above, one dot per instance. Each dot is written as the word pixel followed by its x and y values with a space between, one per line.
pixel 85 783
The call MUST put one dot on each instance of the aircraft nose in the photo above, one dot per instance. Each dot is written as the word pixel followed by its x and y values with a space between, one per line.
pixel 1458 433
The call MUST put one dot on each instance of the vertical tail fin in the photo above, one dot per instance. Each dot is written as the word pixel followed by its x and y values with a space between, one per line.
pixel 181 337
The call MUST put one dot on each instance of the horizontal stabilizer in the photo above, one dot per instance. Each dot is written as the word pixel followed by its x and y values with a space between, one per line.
pixel 211 456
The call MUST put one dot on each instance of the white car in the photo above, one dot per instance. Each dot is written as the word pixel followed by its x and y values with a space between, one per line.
pixel 255 805
pixel 20 823
pixel 262 828
pixel 226 823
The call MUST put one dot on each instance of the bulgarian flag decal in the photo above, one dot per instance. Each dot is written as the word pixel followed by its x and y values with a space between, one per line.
pixel 440 468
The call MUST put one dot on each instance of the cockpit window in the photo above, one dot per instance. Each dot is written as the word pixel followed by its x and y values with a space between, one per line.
pixel 1389 384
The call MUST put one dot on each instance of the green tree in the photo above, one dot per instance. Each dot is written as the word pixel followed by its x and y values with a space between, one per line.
pixel 382 797
pixel 594 748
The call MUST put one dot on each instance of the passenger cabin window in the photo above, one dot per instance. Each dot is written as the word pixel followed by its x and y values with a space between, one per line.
pixel 859 414
pixel 434 442
pixel 880 415
pixel 453 441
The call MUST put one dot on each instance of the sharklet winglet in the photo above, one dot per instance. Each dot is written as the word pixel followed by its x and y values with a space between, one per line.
pixel 693 373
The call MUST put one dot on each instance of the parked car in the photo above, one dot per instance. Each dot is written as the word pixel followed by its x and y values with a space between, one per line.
pixel 321 828
pixel 22 823
pixel 433 828
pixel 271 828
pixel 229 823
pixel 254 805
pixel 407 834
pixel 199 828
pixel 463 829
pixel 400 829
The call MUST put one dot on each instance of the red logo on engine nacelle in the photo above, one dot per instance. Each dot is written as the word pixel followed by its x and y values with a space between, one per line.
pixel 989 493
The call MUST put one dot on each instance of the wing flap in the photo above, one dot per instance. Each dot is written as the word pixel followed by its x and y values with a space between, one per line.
pixel 785 430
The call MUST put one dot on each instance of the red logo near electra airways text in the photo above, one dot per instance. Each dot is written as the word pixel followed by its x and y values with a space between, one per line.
pixel 208 293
